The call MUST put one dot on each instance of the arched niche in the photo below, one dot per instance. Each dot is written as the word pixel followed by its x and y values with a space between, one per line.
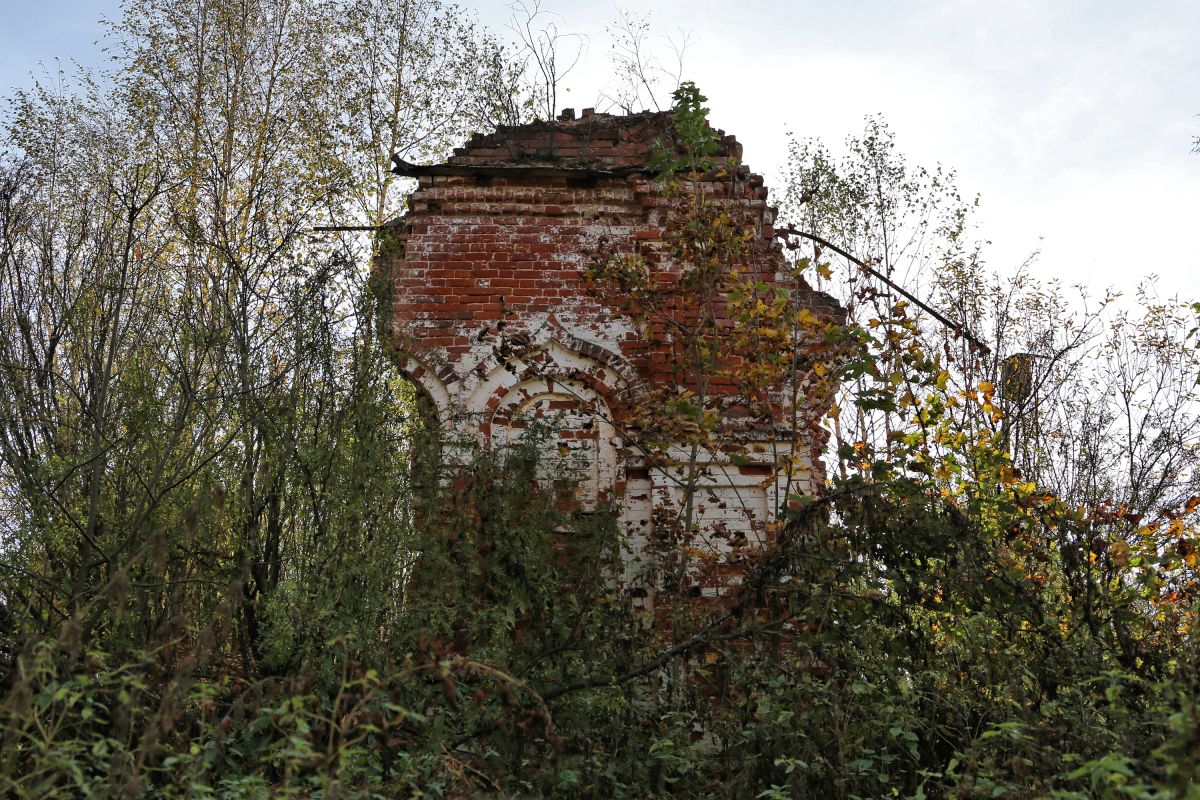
pixel 431 401
pixel 571 426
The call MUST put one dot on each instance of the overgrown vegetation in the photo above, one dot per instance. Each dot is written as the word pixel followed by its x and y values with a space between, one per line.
pixel 231 564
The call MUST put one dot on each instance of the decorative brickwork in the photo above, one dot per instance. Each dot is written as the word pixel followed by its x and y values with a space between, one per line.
pixel 494 321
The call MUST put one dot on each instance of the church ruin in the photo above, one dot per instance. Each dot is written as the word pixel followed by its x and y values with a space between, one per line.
pixel 493 321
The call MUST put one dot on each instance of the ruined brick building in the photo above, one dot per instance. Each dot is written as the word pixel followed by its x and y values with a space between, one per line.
pixel 493 321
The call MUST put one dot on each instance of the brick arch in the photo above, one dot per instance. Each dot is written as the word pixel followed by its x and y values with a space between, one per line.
pixel 510 402
pixel 587 349
pixel 551 360
pixel 429 384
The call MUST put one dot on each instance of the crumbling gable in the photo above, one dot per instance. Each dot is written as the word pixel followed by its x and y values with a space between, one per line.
pixel 493 318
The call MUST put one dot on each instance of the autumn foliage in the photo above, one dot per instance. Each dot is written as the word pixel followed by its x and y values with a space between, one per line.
pixel 233 564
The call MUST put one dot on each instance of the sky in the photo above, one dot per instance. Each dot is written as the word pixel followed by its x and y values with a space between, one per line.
pixel 1073 121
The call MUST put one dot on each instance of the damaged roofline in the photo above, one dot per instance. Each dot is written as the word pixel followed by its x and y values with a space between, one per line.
pixel 407 170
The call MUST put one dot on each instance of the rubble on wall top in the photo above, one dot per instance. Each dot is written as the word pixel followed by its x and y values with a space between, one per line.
pixel 593 142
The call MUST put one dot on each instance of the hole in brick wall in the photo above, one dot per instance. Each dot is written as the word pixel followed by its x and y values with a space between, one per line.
pixel 583 182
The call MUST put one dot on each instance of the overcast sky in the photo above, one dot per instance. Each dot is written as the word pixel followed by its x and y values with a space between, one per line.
pixel 1072 120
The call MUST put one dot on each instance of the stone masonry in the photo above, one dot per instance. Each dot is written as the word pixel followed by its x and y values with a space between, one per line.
pixel 493 321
